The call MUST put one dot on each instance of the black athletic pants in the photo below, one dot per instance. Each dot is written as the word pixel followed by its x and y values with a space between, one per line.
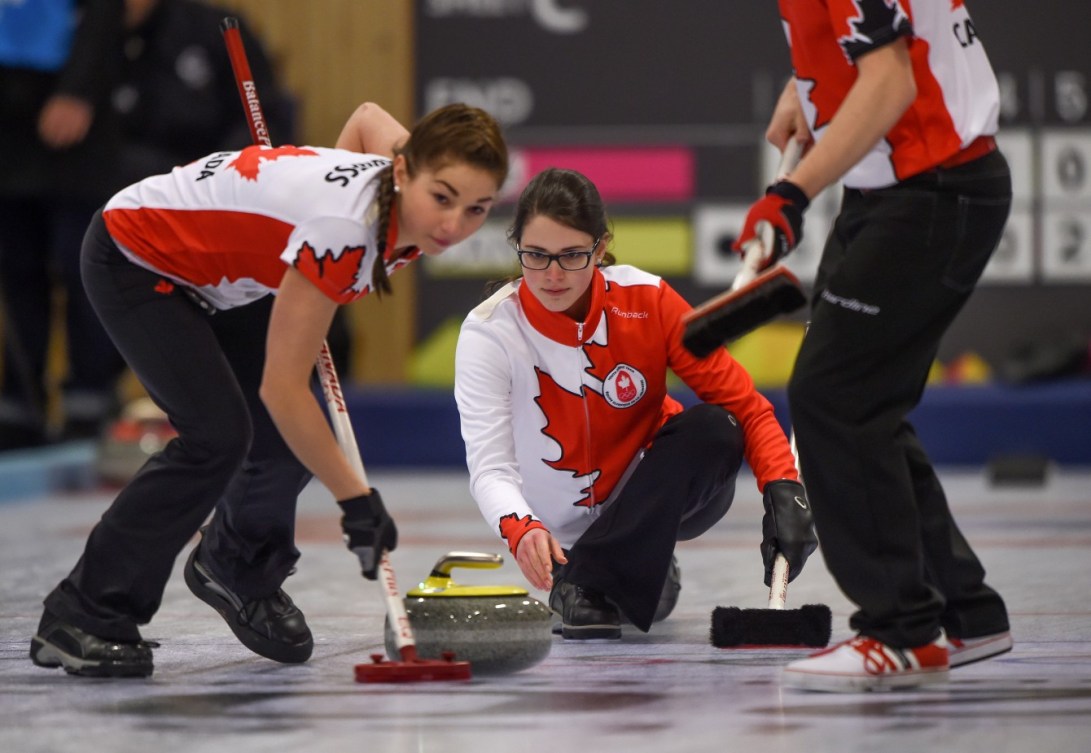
pixel 204 371
pixel 897 268
pixel 682 487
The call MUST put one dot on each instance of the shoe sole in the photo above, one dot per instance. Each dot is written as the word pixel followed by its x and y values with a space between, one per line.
pixel 284 653
pixel 45 654
pixel 1001 644
pixel 590 632
pixel 832 683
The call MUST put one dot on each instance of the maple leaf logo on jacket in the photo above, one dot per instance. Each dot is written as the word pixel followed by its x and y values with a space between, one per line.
pixel 248 163
pixel 334 274
pixel 567 425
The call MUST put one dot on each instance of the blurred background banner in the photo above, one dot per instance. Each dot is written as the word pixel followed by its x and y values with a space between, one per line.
pixel 665 105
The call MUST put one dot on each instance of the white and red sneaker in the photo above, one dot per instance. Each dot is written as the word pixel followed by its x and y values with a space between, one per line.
pixel 962 651
pixel 864 663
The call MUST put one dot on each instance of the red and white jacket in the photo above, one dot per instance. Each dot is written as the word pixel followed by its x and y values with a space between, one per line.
pixel 229 224
pixel 958 99
pixel 553 411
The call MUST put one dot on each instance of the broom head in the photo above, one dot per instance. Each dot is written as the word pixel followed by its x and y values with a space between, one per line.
pixel 412 668
pixel 732 314
pixel 809 626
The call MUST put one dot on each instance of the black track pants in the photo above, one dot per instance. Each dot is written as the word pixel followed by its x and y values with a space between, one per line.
pixel 204 372
pixel 681 488
pixel 897 268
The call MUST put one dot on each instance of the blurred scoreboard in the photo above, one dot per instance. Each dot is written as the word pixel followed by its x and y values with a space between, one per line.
pixel 664 106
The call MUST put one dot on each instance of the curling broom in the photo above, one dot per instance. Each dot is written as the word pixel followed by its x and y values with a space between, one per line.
pixel 411 668
pixel 776 627
pixel 755 297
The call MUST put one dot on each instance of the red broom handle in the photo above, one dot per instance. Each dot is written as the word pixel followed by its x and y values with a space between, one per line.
pixel 331 387
pixel 248 91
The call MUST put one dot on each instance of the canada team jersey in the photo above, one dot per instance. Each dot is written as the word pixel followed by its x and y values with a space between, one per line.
pixel 958 98
pixel 228 225
pixel 554 411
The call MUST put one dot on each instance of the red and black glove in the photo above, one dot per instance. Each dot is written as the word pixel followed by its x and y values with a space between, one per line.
pixel 782 207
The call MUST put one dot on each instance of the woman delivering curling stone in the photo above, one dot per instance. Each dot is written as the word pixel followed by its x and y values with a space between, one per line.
pixel 319 227
pixel 577 454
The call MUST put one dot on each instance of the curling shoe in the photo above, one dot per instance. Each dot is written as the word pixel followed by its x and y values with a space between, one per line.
pixel 585 614
pixel 864 663
pixel 963 651
pixel 271 626
pixel 58 644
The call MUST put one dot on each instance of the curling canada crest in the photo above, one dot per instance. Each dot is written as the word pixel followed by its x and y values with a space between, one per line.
pixel 624 386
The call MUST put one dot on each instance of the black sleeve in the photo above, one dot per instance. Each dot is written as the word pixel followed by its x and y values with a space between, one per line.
pixel 877 25
pixel 94 62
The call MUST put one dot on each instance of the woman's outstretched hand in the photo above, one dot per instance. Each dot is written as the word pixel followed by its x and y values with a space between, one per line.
pixel 536 554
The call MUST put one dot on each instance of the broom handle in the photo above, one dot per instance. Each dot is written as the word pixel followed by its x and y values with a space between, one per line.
pixel 346 438
pixel 327 373
pixel 756 249
pixel 248 91
pixel 778 584
pixel 754 253
pixel 778 588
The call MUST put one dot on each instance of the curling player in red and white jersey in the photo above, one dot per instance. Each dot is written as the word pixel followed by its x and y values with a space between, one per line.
pixel 578 456
pixel 270 241
pixel 898 100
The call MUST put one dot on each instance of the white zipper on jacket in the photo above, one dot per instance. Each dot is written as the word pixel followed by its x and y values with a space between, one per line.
pixel 592 509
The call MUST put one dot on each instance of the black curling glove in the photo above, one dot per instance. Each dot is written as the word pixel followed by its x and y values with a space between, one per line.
pixel 788 527
pixel 368 530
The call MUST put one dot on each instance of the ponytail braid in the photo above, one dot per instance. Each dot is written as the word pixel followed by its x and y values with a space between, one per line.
pixel 380 282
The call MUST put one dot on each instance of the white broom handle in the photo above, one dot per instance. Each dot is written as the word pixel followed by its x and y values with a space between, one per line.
pixel 346 438
pixel 778 584
pixel 778 587
pixel 756 249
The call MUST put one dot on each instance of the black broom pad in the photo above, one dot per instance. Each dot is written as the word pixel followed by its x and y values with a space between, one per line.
pixel 810 625
pixel 739 313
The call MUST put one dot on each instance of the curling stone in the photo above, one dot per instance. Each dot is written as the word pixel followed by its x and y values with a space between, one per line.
pixel 497 629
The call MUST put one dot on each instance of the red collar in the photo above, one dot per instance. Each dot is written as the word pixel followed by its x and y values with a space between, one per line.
pixel 560 327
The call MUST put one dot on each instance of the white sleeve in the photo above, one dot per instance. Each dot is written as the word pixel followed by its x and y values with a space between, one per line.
pixel 483 393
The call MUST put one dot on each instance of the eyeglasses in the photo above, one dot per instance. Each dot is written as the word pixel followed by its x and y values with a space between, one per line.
pixel 569 261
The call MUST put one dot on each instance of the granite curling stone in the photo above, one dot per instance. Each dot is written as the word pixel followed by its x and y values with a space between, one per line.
pixel 498 629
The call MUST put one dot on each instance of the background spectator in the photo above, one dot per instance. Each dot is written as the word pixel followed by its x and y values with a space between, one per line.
pixel 58 63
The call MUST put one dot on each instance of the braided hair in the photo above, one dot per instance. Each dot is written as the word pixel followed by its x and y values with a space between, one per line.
pixel 380 281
